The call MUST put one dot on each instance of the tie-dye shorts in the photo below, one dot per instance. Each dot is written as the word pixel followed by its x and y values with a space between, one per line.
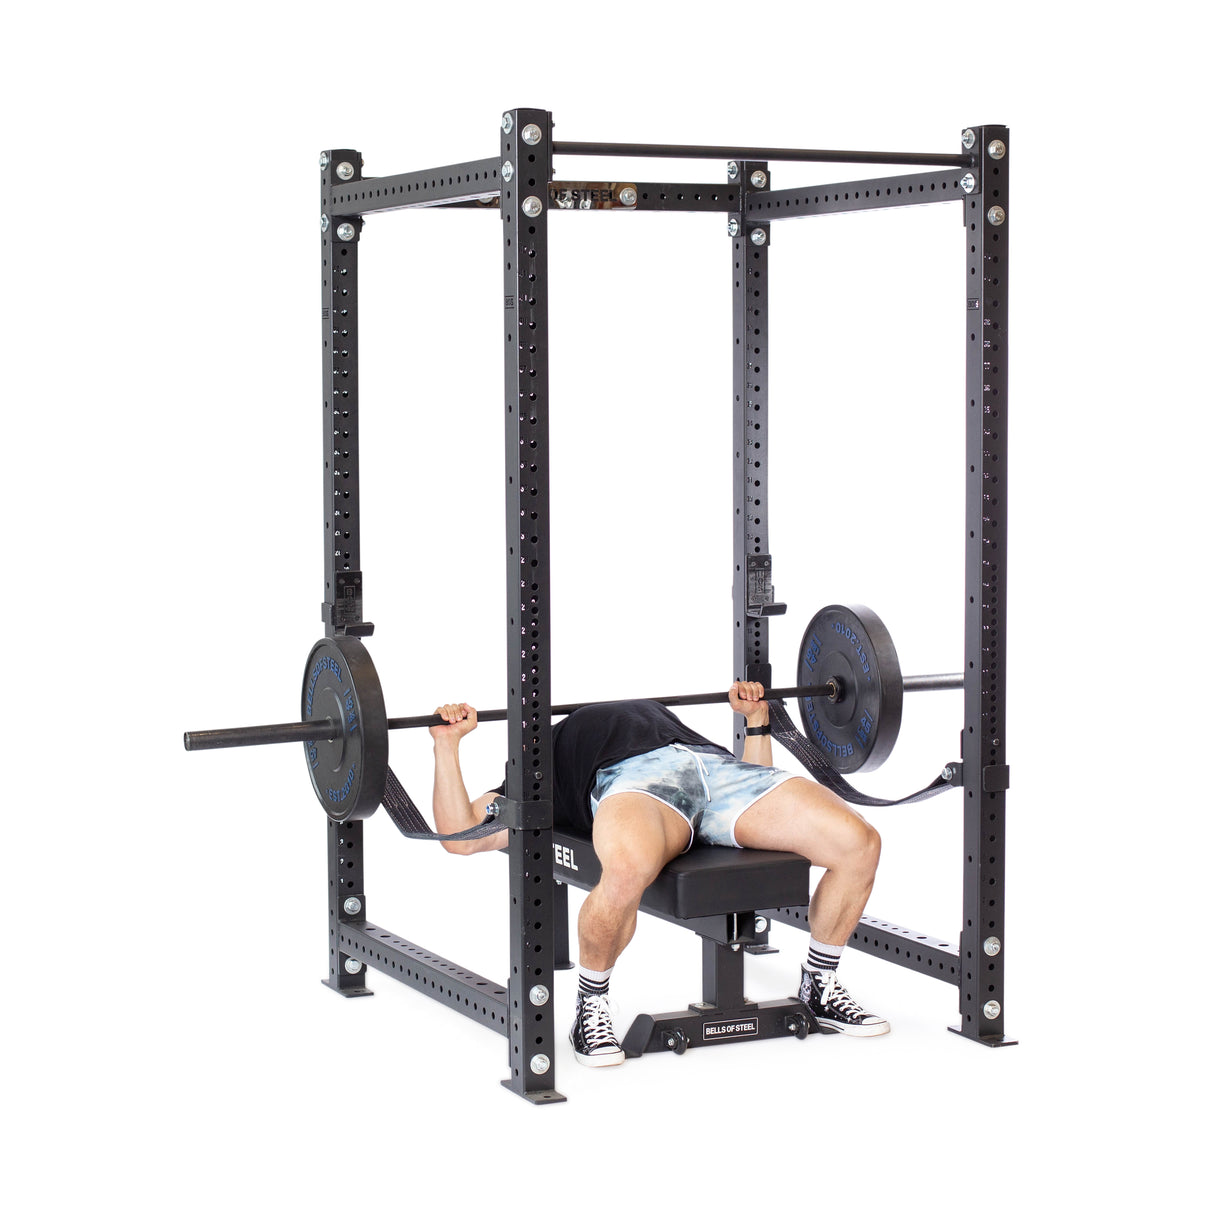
pixel 709 790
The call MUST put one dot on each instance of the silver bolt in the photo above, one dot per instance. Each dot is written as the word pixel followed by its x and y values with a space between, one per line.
pixel 352 966
pixel 532 206
pixel 997 149
pixel 758 236
pixel 345 231
pixel 968 182
pixel 324 161
pixel 538 995
pixel 540 1063
pixel 996 215
pixel 792 1026
pixel 760 924
pixel 992 1009
pixel 733 227
pixel 507 123
pixel 324 223
pixel 947 773
pixel 345 170
pixel 991 946
pixel 735 947
pixel 968 139
pixel 351 906
pixel 532 134
pixel 758 179
pixel 628 196
pixel 731 170
pixel 507 171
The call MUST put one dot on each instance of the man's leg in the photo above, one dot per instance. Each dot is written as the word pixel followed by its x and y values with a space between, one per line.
pixel 806 818
pixel 635 837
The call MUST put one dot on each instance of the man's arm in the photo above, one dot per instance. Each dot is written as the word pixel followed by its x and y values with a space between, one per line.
pixel 453 809
pixel 747 699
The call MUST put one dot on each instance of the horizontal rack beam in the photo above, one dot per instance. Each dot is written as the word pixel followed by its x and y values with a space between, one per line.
pixel 913 189
pixel 692 152
pixel 901 945
pixel 431 187
pixel 477 998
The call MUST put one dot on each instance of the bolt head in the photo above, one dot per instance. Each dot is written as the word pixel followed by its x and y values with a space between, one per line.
pixel 345 170
pixel 532 206
pixel 507 123
pixel 991 946
pixel 352 966
pixel 968 182
pixel 731 170
pixel 996 149
pixel 758 236
pixel 628 196
pixel 345 231
pixel 761 924
pixel 540 1064
pixel 758 179
pixel 324 161
pixel 996 215
pixel 734 227
pixel 532 134
pixel 538 995
pixel 947 773
pixel 992 1009
pixel 324 223
pixel 968 139
pixel 507 171
pixel 352 906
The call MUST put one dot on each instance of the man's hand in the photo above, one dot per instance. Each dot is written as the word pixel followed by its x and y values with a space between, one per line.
pixel 747 699
pixel 460 718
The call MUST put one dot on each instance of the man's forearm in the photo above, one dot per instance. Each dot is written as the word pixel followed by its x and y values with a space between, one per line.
pixel 758 750
pixel 453 810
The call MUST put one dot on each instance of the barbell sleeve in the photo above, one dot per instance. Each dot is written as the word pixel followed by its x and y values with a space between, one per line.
pixel 327 730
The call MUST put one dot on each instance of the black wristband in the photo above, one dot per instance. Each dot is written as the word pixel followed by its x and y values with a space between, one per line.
pixel 757 731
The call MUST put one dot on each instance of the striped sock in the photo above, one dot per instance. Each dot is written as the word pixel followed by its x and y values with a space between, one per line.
pixel 823 956
pixel 592 982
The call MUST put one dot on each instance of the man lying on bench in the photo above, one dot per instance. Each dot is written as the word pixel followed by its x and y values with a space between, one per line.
pixel 646 787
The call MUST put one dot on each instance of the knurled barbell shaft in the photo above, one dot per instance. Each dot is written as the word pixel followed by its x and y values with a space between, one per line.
pixel 329 729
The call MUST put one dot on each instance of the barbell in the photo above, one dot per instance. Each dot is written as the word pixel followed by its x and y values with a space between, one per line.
pixel 851 708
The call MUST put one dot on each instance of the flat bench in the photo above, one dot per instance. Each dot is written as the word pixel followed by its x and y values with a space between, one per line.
pixel 716 892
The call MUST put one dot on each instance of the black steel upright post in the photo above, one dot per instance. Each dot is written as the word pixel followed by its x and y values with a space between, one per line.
pixel 526 170
pixel 984 740
pixel 342 607
pixel 752 592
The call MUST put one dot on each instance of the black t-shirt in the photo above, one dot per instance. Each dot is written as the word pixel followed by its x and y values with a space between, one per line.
pixel 599 736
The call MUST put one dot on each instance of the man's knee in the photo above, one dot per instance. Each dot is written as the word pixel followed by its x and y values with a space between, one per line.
pixel 628 874
pixel 866 847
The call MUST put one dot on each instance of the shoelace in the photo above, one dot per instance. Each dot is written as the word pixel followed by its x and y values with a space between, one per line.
pixel 835 995
pixel 596 1022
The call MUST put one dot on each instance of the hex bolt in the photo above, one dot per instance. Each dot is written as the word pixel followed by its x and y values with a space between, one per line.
pixel 324 161
pixel 540 1063
pixel 345 231
pixel 997 149
pixel 947 773
pixel 996 215
pixel 758 179
pixel 992 1009
pixel 991 946
pixel 538 995
pixel 734 227
pixel 532 134
pixel 345 170
pixel 507 171
pixel 532 206
pixel 731 170
pixel 758 236
pixel 968 182
pixel 761 924
pixel 968 139
pixel 324 223
pixel 507 123
pixel 628 196
pixel 352 906
pixel 352 966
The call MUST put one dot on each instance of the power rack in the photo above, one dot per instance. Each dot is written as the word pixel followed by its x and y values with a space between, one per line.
pixel 520 185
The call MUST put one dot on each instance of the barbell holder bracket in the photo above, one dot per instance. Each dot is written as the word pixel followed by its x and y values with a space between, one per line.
pixel 522 815
pixel 997 778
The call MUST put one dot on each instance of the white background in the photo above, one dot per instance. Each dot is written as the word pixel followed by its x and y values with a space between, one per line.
pixel 170 1044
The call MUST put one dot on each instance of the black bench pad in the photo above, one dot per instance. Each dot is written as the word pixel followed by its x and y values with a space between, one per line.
pixel 704 881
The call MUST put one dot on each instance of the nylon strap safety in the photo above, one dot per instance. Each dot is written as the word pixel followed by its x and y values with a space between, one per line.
pixel 407 818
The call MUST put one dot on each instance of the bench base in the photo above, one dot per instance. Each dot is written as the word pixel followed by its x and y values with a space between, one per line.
pixel 707 1024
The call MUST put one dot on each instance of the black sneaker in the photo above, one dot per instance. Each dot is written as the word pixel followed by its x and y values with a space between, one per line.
pixel 593 1035
pixel 834 1009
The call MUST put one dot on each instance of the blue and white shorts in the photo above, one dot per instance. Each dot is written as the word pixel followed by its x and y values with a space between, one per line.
pixel 707 789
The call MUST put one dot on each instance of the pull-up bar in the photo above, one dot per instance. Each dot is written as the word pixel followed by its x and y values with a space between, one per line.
pixel 692 152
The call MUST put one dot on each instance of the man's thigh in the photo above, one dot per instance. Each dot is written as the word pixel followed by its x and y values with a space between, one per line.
pixel 803 817
pixel 639 831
